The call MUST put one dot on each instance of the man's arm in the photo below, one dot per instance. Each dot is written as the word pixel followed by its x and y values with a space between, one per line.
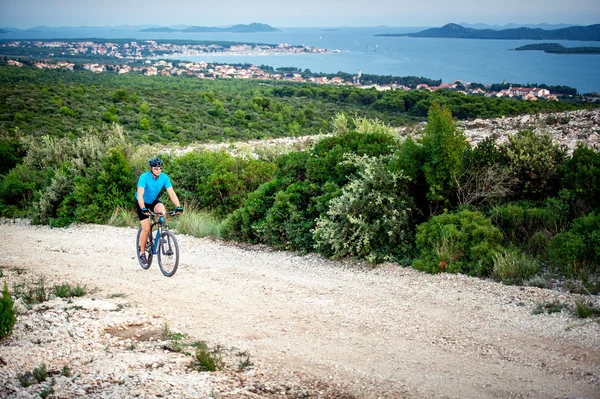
pixel 173 196
pixel 140 199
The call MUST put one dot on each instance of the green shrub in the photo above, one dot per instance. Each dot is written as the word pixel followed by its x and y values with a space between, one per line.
pixel 66 290
pixel 11 154
pixel 534 160
pixel 217 181
pixel 208 360
pixel 443 146
pixel 284 211
pixel 40 373
pixel 8 313
pixel 538 243
pixel 32 293
pixel 580 177
pixel 520 221
pixel 50 197
pixel 586 309
pixel 565 251
pixel 578 250
pixel 514 267
pixel 18 187
pixel 372 218
pixel 102 190
pixel 463 242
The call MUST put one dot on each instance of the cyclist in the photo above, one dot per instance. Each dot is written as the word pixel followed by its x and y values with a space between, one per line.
pixel 149 186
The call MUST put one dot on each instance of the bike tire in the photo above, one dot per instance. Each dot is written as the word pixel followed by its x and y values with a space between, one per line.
pixel 148 249
pixel 168 254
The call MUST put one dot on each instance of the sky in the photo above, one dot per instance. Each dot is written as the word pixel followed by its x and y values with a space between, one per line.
pixel 25 14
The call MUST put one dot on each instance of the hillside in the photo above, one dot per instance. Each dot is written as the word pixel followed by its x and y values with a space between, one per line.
pixel 240 28
pixel 582 33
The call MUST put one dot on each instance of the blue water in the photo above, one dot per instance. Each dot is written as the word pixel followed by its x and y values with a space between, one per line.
pixel 482 61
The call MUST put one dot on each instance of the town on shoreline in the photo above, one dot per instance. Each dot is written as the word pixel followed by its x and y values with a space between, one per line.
pixel 151 57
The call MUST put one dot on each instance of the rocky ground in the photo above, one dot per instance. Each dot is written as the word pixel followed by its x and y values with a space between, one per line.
pixel 285 325
pixel 567 129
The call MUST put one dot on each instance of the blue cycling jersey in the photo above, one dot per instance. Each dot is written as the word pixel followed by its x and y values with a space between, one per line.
pixel 152 185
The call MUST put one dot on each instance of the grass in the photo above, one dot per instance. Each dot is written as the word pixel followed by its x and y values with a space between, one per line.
pixel 32 293
pixel 244 361
pixel 175 339
pixel 197 223
pixel 123 218
pixel 585 309
pixel 208 359
pixel 513 267
pixel 549 308
pixel 65 290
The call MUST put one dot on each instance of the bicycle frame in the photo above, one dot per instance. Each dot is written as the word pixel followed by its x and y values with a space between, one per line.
pixel 160 222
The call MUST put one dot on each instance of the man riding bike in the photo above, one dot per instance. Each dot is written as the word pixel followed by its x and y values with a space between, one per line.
pixel 149 186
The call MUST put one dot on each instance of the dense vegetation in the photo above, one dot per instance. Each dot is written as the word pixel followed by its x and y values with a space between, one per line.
pixel 522 212
pixel 160 109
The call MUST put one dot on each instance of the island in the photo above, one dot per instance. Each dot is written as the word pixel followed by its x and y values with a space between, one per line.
pixel 251 28
pixel 581 33
pixel 556 48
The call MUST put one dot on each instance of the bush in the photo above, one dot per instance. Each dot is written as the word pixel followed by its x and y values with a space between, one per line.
pixel 443 145
pixel 208 360
pixel 521 221
pixel 580 176
pixel 577 252
pixel 372 218
pixel 217 181
pixel 284 211
pixel 18 187
pixel 8 313
pixel 463 242
pixel 565 251
pixel 96 196
pixel 534 161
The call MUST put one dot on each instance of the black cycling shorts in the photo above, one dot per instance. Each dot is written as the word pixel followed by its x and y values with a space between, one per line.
pixel 149 206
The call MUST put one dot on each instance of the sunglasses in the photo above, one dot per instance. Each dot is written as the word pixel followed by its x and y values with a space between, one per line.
pixel 157 167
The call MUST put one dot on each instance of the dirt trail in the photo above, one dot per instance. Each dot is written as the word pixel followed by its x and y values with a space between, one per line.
pixel 384 332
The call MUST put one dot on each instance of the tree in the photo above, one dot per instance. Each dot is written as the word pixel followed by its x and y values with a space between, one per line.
pixel 443 145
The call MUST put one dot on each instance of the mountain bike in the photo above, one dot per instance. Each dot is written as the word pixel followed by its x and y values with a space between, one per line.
pixel 161 242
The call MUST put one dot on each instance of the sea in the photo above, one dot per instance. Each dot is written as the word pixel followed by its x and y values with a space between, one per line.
pixel 468 60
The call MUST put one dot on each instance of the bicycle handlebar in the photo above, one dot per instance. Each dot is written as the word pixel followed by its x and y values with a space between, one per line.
pixel 172 213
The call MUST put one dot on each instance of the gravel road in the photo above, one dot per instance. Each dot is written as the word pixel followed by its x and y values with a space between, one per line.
pixel 336 329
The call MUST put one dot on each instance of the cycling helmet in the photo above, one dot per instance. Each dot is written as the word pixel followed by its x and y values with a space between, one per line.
pixel 155 162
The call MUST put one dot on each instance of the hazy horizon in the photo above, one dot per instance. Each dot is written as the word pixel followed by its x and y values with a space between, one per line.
pixel 175 26
pixel 27 14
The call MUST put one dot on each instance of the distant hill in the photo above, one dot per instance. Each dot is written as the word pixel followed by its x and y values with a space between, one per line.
pixel 161 29
pixel 515 26
pixel 557 48
pixel 583 33
pixel 253 27
pixel 2 31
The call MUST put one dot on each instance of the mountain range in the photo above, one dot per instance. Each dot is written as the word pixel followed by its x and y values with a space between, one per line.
pixel 253 27
pixel 583 33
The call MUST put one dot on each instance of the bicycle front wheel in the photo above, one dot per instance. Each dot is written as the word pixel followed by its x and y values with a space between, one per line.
pixel 148 249
pixel 168 254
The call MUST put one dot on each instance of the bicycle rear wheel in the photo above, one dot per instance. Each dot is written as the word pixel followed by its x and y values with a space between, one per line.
pixel 168 254
pixel 148 249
